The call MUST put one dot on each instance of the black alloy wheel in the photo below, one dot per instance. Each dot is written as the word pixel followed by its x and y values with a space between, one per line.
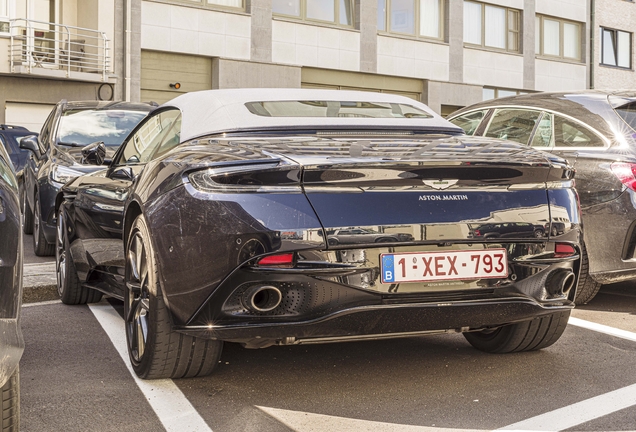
pixel 40 246
pixel 587 288
pixel 155 350
pixel 529 335
pixel 137 299
pixel 10 397
pixel 69 286
pixel 27 214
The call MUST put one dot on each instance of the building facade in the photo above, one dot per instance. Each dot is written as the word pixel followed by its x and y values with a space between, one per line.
pixel 445 53
pixel 613 23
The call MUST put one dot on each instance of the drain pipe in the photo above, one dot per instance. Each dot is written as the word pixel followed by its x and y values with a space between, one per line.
pixel 127 44
pixel 592 41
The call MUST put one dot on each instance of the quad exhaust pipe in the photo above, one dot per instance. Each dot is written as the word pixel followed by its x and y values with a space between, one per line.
pixel 560 282
pixel 262 298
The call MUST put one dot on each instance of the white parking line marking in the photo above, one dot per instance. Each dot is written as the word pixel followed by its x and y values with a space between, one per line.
pixel 39 264
pixel 623 334
pixel 309 422
pixel 579 413
pixel 42 303
pixel 174 410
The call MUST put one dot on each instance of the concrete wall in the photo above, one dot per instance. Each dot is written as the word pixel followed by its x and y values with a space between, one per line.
pixel 492 68
pixel 191 30
pixel 413 58
pixel 575 10
pixel 560 76
pixel 437 94
pixel 240 74
pixel 317 46
pixel 619 15
pixel 31 90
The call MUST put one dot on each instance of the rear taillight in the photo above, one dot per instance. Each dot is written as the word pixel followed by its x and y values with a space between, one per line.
pixel 477 233
pixel 563 250
pixel 280 260
pixel 626 173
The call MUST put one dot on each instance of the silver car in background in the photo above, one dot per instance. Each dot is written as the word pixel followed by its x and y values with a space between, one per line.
pixel 596 132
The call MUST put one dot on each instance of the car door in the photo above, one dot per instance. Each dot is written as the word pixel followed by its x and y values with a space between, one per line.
pixel 101 198
pixel 33 165
pixel 584 149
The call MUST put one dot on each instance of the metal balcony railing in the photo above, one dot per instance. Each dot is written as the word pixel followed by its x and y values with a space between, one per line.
pixel 38 44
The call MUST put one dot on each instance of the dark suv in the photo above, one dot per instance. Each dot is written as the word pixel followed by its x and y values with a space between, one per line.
pixel 11 341
pixel 57 157
pixel 10 137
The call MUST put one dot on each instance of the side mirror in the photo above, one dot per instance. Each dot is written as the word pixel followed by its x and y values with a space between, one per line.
pixel 125 173
pixel 31 143
pixel 94 154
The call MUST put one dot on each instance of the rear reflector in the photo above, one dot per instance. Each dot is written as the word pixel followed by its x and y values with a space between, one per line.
pixel 626 173
pixel 562 250
pixel 277 260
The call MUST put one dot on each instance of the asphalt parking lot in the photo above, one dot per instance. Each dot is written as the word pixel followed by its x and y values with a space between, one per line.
pixel 75 378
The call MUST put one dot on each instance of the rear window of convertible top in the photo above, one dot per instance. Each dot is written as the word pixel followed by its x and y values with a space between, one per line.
pixel 335 109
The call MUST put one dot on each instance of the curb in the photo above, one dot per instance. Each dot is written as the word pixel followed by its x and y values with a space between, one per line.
pixel 39 283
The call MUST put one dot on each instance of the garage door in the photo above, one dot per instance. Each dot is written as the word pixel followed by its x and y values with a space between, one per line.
pixel 344 80
pixel 31 116
pixel 159 70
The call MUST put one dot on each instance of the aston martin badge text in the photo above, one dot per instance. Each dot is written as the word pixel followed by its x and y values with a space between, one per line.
pixel 443 197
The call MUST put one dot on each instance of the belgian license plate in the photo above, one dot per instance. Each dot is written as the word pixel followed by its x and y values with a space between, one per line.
pixel 447 265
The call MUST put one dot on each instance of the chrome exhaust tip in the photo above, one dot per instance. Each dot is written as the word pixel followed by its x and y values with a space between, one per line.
pixel 262 298
pixel 560 282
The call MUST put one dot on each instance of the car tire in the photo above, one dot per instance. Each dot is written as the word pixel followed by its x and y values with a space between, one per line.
pixel 530 335
pixel 40 245
pixel 11 403
pixel 69 286
pixel 155 350
pixel 27 215
pixel 587 288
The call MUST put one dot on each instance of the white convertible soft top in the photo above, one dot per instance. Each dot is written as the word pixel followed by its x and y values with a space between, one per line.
pixel 216 111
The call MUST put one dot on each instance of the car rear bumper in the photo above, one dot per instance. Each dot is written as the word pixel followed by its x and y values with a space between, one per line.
pixel 385 320
pixel 610 236
pixel 11 347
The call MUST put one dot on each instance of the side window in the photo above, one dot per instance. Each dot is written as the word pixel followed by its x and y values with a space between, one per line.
pixel 469 122
pixel 568 133
pixel 45 133
pixel 544 135
pixel 171 139
pixel 147 139
pixel 9 148
pixel 513 124
pixel 6 172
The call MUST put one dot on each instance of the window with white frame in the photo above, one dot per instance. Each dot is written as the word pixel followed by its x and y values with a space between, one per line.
pixel 616 48
pixel 491 26
pixel 224 3
pixel 4 16
pixel 421 18
pixel 494 93
pixel 558 38
pixel 338 12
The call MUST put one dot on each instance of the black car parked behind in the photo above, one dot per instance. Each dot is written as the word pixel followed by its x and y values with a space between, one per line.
pixel 57 157
pixel 11 342
pixel 10 137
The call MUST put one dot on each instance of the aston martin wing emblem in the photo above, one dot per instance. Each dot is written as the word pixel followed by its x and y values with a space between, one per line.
pixel 440 184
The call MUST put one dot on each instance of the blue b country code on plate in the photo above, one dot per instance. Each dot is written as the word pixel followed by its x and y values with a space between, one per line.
pixel 388 263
